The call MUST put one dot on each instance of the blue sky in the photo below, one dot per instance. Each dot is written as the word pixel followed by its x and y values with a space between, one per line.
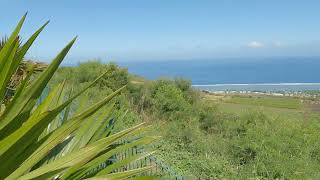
pixel 168 29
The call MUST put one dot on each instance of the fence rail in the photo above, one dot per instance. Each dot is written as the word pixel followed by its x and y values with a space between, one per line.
pixel 159 167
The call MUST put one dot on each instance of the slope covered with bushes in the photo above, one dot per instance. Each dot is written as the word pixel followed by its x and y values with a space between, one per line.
pixel 199 139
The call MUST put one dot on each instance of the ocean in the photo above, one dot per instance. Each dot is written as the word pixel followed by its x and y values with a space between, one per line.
pixel 261 74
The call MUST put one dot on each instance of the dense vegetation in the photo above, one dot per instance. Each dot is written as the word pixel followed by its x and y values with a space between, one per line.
pixel 210 139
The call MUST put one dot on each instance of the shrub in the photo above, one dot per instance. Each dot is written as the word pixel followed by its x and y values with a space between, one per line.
pixel 167 99
pixel 114 78
pixel 183 84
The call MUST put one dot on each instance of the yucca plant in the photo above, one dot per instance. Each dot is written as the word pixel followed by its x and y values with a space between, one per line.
pixel 36 143
pixel 22 71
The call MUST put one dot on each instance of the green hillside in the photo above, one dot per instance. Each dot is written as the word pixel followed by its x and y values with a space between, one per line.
pixel 229 137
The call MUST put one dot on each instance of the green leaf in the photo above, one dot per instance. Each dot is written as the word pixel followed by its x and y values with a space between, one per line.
pixel 12 64
pixel 25 47
pixel 122 175
pixel 27 99
pixel 88 128
pixel 99 133
pixel 33 121
pixel 4 74
pixel 120 149
pixel 30 149
pixel 39 122
pixel 84 154
pixel 20 88
pixel 5 51
pixel 123 162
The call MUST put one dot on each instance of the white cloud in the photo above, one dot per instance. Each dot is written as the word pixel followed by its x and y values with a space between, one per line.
pixel 277 44
pixel 255 44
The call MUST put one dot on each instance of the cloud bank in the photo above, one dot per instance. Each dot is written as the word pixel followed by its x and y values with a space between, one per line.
pixel 255 44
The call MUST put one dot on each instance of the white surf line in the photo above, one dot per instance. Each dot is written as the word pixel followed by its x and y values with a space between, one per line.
pixel 257 84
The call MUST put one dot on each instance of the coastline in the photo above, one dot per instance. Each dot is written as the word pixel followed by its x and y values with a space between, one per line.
pixel 260 87
pixel 257 84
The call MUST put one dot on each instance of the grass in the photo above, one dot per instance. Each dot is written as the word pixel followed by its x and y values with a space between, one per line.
pixel 286 152
pixel 241 109
pixel 275 107
pixel 267 101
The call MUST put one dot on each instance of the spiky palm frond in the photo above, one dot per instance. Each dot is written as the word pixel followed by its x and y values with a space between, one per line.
pixel 23 69
pixel 27 139
pixel 4 39
pixel 2 42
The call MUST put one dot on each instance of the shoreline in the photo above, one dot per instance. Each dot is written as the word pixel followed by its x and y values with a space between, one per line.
pixel 257 84
pixel 275 89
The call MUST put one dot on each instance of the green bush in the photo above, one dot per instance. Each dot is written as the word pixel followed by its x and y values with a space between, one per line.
pixel 85 72
pixel 167 98
pixel 183 84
